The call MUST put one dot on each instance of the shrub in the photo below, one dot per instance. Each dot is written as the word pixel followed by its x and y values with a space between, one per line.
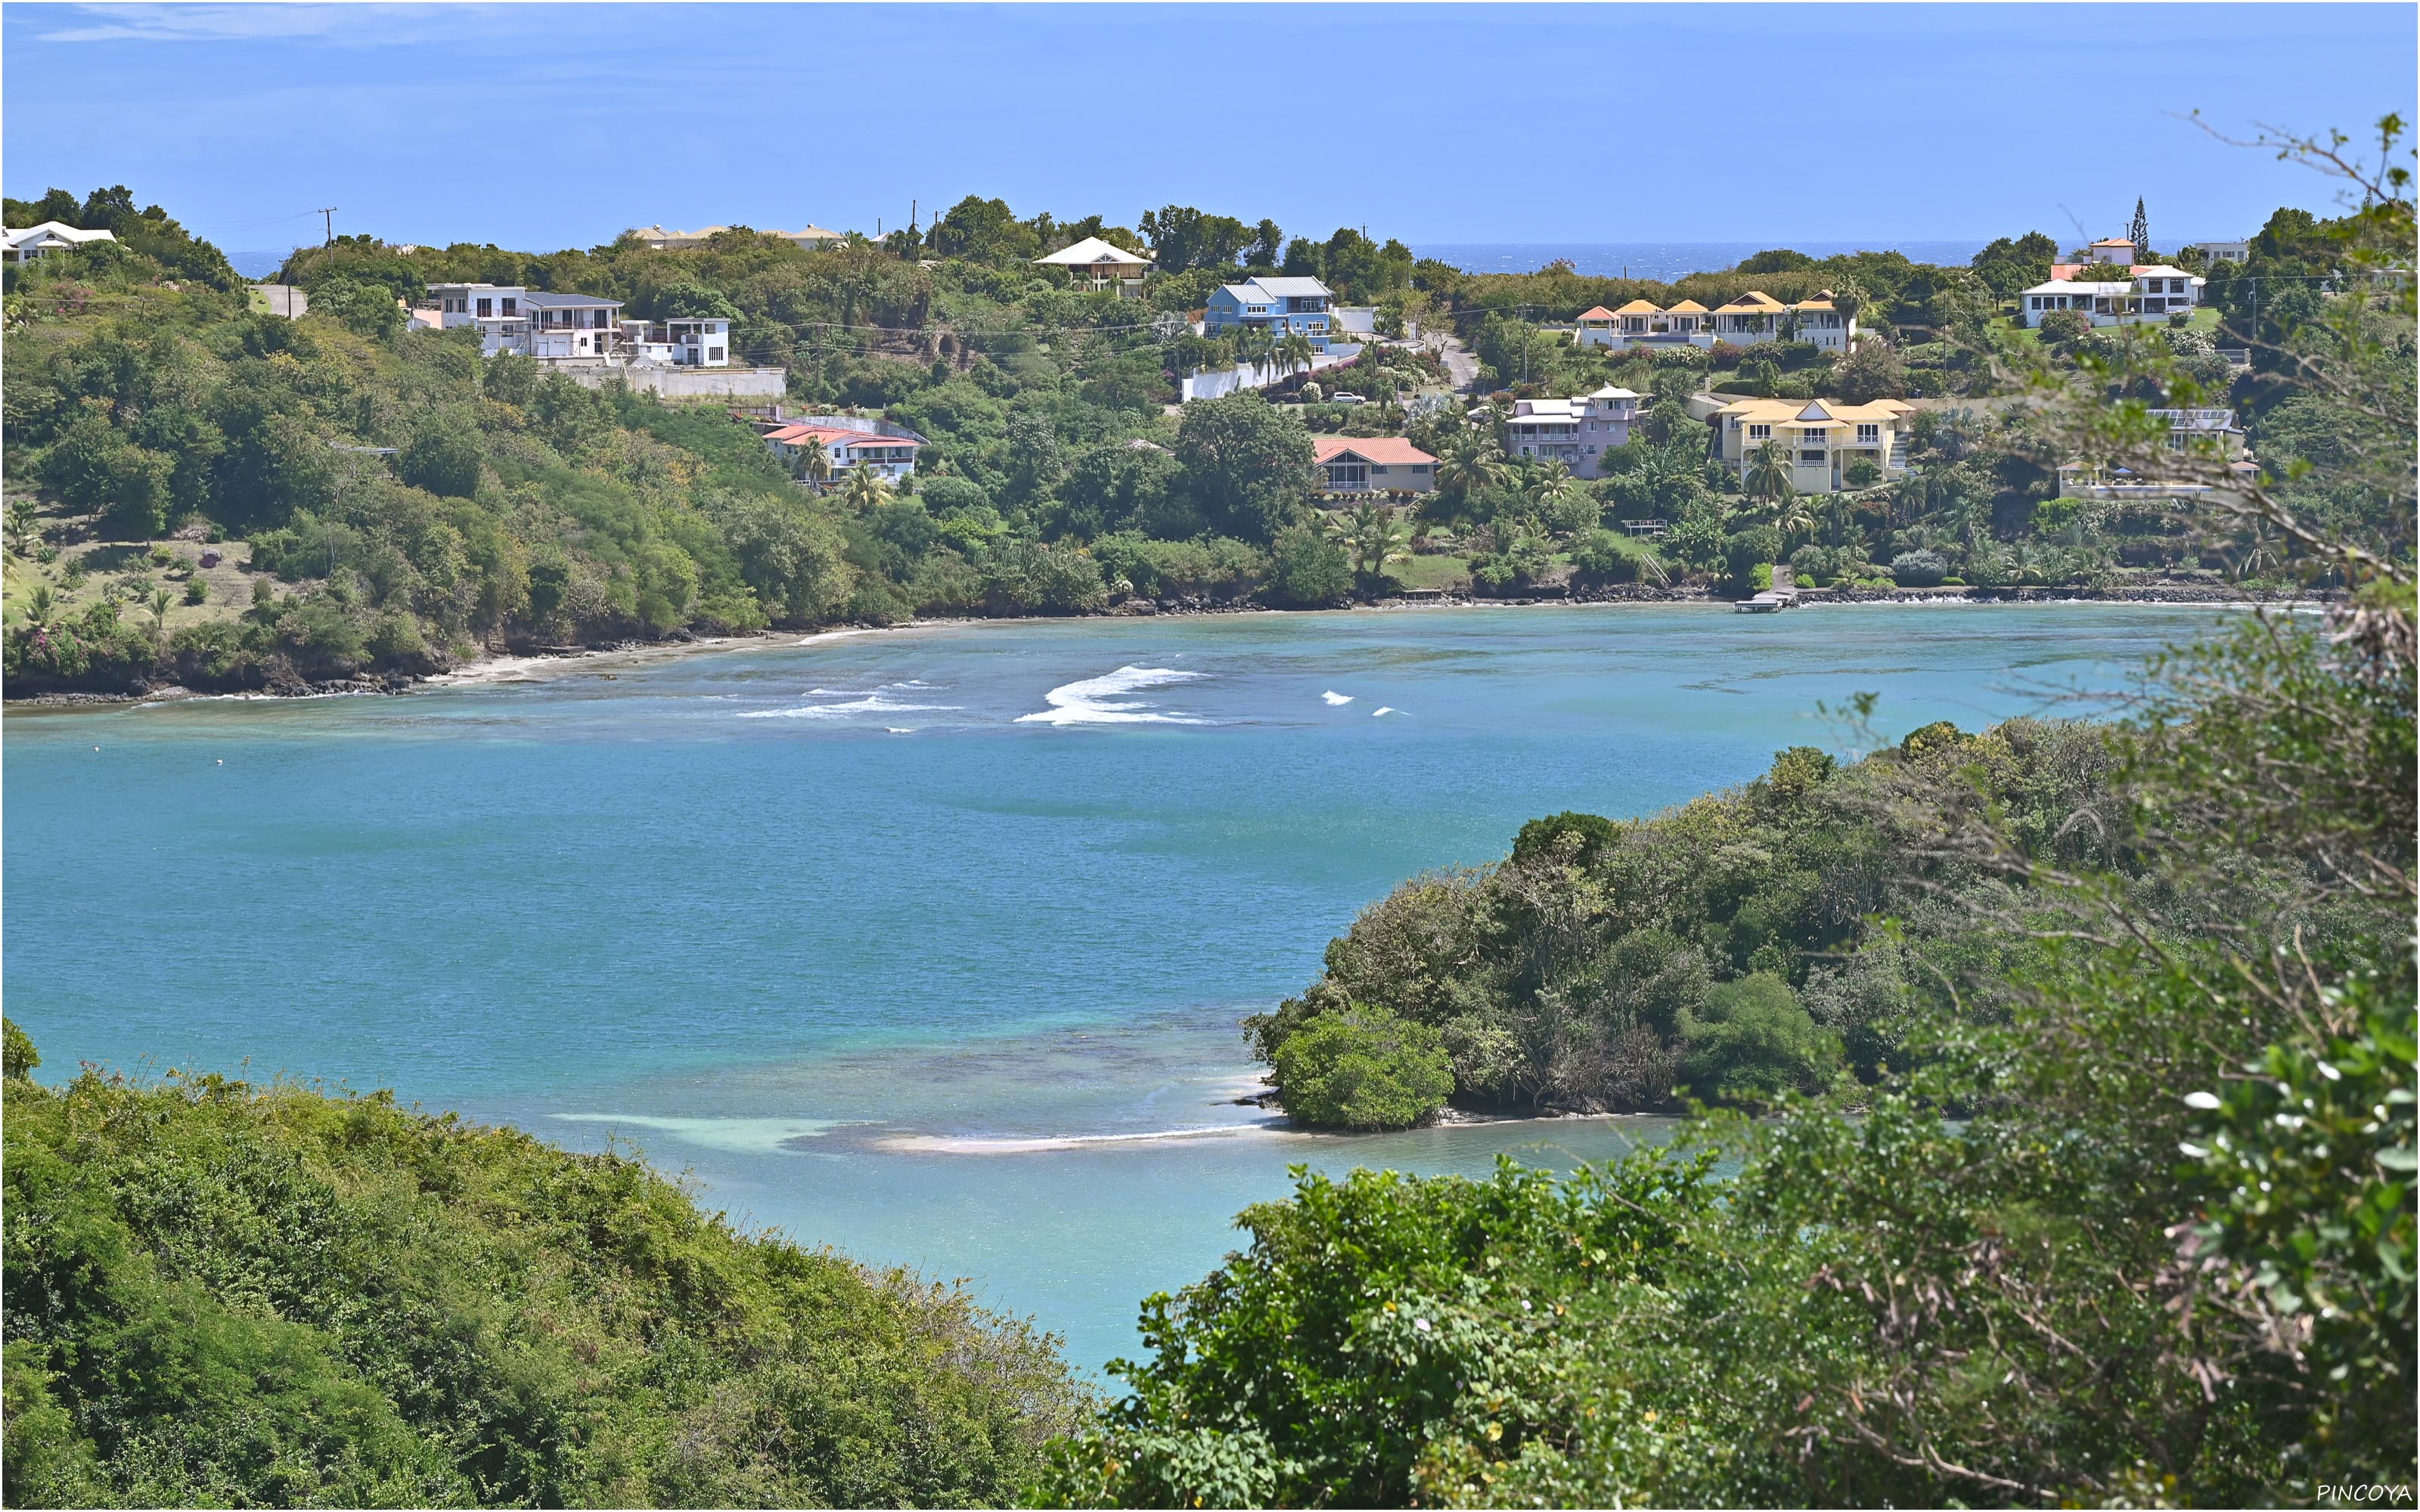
pixel 197 590
pixel 223 1294
pixel 1862 472
pixel 2060 327
pixel 1750 1042
pixel 1921 568
pixel 1307 570
pixel 1363 1068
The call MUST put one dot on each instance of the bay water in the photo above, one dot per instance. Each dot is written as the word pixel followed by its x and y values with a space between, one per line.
pixel 931 943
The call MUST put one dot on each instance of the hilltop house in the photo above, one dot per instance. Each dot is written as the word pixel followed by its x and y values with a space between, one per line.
pixel 1574 432
pixel 2147 291
pixel 681 340
pixel 847 442
pixel 1756 318
pixel 2222 251
pixel 1282 306
pixel 1821 437
pixel 35 242
pixel 1095 264
pixel 2110 250
pixel 1643 323
pixel 1371 464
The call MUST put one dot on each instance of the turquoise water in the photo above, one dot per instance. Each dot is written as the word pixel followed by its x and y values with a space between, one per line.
pixel 929 944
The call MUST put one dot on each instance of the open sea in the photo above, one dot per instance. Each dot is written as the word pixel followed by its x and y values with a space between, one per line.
pixel 929 944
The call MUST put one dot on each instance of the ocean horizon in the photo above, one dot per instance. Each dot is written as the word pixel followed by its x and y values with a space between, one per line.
pixel 1664 261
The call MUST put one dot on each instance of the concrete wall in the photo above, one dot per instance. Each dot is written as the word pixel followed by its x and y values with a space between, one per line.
pixel 685 382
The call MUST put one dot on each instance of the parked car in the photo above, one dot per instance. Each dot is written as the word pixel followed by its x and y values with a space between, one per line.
pixel 1346 398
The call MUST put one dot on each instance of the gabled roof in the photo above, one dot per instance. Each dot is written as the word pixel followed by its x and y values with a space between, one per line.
pixel 1812 304
pixel 1598 312
pixel 57 230
pixel 1688 307
pixel 1386 451
pixel 1089 251
pixel 2113 242
pixel 1791 411
pixel 1611 392
pixel 1278 288
pixel 1640 307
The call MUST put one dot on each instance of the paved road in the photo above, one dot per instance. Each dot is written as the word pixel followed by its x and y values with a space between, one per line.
pixel 1461 366
pixel 288 303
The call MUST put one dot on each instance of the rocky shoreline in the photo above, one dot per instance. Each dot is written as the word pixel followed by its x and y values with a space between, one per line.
pixel 1186 604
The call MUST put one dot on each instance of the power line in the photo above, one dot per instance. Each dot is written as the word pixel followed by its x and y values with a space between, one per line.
pixel 329 213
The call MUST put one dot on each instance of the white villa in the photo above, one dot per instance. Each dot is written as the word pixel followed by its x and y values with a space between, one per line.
pixel 35 242
pixel 1643 323
pixel 1371 464
pixel 1574 432
pixel 2222 251
pixel 846 445
pixel 1821 435
pixel 1097 264
pixel 574 328
pixel 2148 291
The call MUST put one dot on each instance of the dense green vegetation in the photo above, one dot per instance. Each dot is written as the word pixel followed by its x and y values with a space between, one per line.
pixel 1726 951
pixel 385 501
pixel 2090 1052
pixel 221 1294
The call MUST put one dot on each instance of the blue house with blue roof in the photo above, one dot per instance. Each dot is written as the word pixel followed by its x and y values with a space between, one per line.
pixel 1283 306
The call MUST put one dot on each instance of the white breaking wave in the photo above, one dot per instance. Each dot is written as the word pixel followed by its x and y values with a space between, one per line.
pixel 1383 709
pixel 870 703
pixel 1003 1144
pixel 1095 701
pixel 1334 700
pixel 832 635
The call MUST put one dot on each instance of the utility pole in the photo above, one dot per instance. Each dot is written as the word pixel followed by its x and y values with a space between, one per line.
pixel 329 215
pixel 911 216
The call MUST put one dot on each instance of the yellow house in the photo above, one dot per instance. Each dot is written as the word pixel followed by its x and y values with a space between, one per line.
pixel 1821 437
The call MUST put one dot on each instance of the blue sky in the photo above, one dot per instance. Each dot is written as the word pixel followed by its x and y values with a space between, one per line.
pixel 558 125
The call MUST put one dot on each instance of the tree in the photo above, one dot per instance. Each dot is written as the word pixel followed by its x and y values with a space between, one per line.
pixel 810 462
pixel 1363 1068
pixel 1293 353
pixel 1374 536
pixel 1183 239
pixel 866 488
pixel 443 457
pixel 1247 464
pixel 2140 233
pixel 1472 461
pixel 1307 570
pixel 1872 371
pixel 23 527
pixel 2061 328
pixel 1769 477
pixel 159 601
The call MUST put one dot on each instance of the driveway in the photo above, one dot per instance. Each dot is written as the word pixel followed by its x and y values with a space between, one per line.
pixel 288 303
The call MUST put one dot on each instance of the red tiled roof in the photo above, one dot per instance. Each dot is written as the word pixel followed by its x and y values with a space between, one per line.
pixel 828 434
pixel 1600 313
pixel 1387 451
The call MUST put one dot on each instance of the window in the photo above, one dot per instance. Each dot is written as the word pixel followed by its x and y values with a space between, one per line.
pixel 714 354
pixel 1758 433
pixel 1810 456
pixel 1869 434
pixel 487 306
pixel 512 307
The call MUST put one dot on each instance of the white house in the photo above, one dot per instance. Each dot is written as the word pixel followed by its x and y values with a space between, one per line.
pixel 844 447
pixel 2222 251
pixel 1643 323
pixel 2110 250
pixel 2148 291
pixel 1574 432
pixel 682 341
pixel 1095 264
pixel 1756 318
pixel 35 242
pixel 514 318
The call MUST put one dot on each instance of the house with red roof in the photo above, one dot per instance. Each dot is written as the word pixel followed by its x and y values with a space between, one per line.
pixel 844 447
pixel 1369 465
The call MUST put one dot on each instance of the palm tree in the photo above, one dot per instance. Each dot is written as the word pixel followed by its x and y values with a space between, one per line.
pixel 1798 517
pixel 1295 352
pixel 1767 476
pixel 865 488
pixel 812 464
pixel 1545 480
pixel 160 600
pixel 21 523
pixel 1473 461
pixel 40 605
pixel 1376 535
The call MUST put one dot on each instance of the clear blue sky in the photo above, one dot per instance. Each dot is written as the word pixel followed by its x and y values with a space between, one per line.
pixel 558 125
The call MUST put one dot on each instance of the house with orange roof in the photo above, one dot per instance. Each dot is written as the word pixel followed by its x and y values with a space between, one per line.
pixel 1822 438
pixel 891 451
pixel 1369 465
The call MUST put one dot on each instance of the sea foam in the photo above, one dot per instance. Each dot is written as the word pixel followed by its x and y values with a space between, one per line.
pixel 745 1136
pixel 870 703
pixel 1335 699
pixel 1096 699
